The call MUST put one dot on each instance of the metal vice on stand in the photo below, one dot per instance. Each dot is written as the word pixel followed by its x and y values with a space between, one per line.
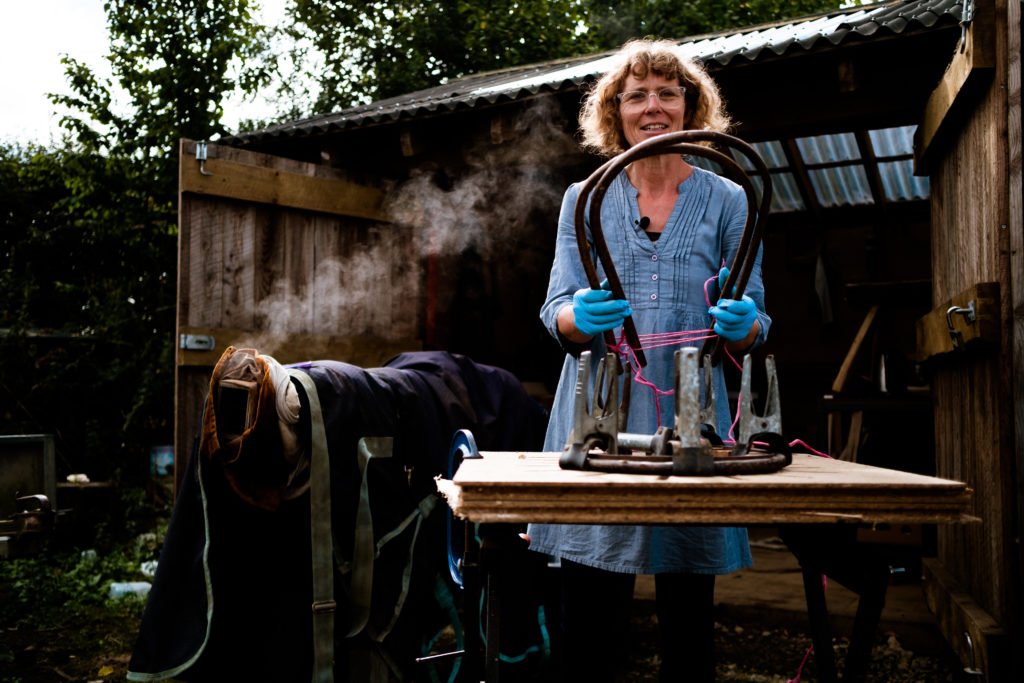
pixel 692 446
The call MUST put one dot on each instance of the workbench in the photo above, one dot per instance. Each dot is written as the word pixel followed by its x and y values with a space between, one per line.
pixel 501 488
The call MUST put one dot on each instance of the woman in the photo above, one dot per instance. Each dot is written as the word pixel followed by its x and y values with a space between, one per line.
pixel 669 227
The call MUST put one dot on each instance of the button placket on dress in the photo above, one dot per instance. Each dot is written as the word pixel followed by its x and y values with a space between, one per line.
pixel 655 279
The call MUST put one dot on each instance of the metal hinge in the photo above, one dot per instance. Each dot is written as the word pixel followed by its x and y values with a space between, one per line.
pixel 197 342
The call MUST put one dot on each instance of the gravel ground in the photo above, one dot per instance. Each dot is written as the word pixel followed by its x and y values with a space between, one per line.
pixel 758 652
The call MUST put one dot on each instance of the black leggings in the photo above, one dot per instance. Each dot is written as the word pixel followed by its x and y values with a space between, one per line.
pixel 595 624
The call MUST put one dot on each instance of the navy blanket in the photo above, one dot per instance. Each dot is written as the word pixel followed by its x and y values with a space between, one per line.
pixel 231 596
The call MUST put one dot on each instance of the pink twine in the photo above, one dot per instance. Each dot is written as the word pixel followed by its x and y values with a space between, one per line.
pixel 626 350
pixel 707 297
pixel 800 671
pixel 794 442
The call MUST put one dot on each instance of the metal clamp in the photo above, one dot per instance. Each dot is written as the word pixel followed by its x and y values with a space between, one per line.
pixel 694 455
pixel 589 428
pixel 708 416
pixel 970 315
pixel 751 425
pixel 686 449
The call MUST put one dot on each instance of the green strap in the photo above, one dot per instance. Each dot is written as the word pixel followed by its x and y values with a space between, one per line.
pixel 421 512
pixel 363 549
pixel 321 543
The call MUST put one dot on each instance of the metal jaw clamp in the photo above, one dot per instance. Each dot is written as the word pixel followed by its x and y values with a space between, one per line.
pixel 756 432
pixel 596 425
pixel 691 447
pixel 693 455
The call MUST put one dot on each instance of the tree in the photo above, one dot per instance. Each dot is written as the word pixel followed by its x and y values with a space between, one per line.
pixel 86 306
pixel 88 232
pixel 372 51
pixel 175 61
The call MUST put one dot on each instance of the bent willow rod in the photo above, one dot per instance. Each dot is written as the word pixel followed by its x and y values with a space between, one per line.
pixel 683 142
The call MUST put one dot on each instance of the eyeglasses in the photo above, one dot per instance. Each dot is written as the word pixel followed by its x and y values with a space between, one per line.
pixel 669 97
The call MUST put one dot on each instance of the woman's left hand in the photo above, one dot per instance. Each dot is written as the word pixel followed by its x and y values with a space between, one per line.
pixel 734 318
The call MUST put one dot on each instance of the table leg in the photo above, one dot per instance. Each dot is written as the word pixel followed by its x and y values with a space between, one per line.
pixel 817 613
pixel 874 584
pixel 472 666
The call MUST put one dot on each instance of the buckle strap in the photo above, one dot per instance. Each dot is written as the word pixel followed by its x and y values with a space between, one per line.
pixel 363 548
pixel 321 542
pixel 324 607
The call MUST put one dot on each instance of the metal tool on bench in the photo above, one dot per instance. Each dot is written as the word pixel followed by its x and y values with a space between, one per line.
pixel 691 447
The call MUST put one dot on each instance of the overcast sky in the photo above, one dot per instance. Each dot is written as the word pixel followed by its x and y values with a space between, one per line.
pixel 33 36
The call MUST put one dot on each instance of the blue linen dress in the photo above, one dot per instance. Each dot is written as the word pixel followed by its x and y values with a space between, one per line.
pixel 664 283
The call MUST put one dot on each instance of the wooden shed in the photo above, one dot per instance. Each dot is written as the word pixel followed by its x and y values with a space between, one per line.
pixel 894 136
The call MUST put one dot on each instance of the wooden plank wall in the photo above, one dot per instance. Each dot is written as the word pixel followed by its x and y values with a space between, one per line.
pixel 976 221
pixel 262 275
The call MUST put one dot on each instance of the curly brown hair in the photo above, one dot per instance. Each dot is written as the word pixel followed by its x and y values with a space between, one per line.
pixel 600 120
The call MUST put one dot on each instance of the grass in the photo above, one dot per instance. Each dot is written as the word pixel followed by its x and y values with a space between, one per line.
pixel 58 619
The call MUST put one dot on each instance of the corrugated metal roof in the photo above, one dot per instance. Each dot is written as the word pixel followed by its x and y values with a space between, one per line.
pixel 836 169
pixel 750 45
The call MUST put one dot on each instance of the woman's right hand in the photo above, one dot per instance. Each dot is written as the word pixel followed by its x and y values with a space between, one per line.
pixel 595 311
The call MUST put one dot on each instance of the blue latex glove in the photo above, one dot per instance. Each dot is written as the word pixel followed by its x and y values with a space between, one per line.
pixel 734 318
pixel 594 310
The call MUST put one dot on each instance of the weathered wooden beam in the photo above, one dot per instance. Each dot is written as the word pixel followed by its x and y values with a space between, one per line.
pixel 839 383
pixel 803 178
pixel 959 616
pixel 972 66
pixel 934 334
pixel 234 179
pixel 292 348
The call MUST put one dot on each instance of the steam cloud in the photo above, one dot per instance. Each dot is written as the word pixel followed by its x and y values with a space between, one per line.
pixel 486 206
pixel 490 202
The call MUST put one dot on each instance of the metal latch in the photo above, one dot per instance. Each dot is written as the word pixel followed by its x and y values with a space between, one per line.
pixel 970 315
pixel 966 17
pixel 201 157
pixel 197 342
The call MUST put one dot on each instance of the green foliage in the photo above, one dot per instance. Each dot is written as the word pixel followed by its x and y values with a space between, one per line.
pixel 372 51
pixel 88 233
pixel 46 590
pixel 175 61
pixel 376 50
pixel 87 302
